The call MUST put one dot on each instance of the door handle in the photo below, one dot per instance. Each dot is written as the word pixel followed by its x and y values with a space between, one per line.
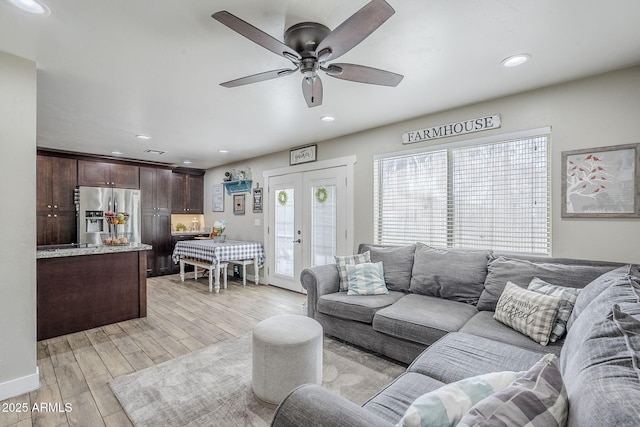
pixel 297 241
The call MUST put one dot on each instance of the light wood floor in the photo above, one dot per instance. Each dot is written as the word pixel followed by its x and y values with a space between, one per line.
pixel 182 317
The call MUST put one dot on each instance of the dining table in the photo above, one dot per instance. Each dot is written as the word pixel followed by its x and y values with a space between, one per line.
pixel 211 255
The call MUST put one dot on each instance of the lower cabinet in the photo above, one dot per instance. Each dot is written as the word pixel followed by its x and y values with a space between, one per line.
pixel 175 268
pixel 56 227
pixel 156 231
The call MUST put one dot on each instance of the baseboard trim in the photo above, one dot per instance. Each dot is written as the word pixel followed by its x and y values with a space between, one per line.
pixel 20 386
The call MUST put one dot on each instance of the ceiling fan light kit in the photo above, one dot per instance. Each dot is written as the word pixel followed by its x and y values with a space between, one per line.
pixel 309 45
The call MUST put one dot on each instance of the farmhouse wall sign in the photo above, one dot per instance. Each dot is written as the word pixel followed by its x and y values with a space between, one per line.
pixel 302 155
pixel 452 129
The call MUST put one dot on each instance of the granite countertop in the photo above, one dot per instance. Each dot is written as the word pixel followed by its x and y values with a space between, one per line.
pixel 58 252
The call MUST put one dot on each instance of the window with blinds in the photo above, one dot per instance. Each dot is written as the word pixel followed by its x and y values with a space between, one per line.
pixel 491 195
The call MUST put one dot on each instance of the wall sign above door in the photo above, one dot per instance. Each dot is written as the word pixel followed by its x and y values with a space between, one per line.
pixel 452 129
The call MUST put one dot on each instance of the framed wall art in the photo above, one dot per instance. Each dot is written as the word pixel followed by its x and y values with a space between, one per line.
pixel 218 198
pixel 238 204
pixel 601 182
pixel 257 200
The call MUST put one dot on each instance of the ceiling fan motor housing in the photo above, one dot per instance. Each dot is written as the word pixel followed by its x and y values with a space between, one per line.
pixel 305 37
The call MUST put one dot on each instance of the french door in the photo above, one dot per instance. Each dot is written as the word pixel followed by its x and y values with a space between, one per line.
pixel 308 221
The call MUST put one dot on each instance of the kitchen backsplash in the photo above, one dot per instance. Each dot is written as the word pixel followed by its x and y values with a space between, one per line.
pixel 188 223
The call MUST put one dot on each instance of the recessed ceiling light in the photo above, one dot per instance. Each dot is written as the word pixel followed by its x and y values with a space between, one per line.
pixel 515 60
pixel 143 136
pixel 35 7
pixel 327 118
pixel 186 162
pixel 223 151
pixel 116 152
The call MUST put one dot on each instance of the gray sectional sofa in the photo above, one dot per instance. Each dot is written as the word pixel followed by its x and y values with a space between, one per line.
pixel 438 319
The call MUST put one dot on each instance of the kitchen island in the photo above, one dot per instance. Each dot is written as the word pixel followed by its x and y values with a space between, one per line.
pixel 81 287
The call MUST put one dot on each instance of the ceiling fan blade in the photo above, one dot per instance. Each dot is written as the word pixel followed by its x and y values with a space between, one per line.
pixel 362 74
pixel 312 91
pixel 260 77
pixel 356 28
pixel 255 35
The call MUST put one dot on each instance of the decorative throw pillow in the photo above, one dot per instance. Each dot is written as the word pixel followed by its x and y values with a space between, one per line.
pixel 528 312
pixel 343 261
pixel 538 399
pixel 366 278
pixel 448 404
pixel 567 297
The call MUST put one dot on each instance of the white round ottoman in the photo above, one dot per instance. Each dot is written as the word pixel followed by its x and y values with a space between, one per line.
pixel 287 352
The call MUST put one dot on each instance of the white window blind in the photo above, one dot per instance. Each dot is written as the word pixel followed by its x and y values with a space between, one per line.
pixel 491 195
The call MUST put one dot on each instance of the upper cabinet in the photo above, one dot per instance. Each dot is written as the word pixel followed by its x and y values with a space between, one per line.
pixel 187 193
pixel 55 204
pixel 56 182
pixel 154 186
pixel 101 174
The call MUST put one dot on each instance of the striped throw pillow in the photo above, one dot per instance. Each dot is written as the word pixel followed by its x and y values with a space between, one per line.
pixel 538 399
pixel 447 405
pixel 366 279
pixel 343 261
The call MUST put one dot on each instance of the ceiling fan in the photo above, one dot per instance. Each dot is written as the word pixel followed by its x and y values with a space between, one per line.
pixel 310 45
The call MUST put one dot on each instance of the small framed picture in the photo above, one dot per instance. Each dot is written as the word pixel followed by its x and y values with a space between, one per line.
pixel 257 200
pixel 303 155
pixel 238 204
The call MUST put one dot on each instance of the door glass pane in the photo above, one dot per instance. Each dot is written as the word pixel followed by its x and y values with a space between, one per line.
pixel 284 232
pixel 323 224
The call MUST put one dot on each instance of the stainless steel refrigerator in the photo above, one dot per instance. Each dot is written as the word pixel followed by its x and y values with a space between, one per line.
pixel 94 202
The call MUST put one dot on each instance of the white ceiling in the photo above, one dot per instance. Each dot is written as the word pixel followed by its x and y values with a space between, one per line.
pixel 108 70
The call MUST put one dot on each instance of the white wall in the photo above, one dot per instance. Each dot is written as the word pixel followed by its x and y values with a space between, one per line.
pixel 591 112
pixel 18 370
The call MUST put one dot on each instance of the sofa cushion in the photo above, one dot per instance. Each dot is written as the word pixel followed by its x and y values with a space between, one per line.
pixel 391 402
pixel 343 261
pixel 599 364
pixel 484 325
pixel 567 297
pixel 455 274
pixel 360 308
pixel 503 269
pixel 529 312
pixel 459 355
pixel 446 406
pixel 422 319
pixel 397 261
pixel 615 286
pixel 366 278
pixel 538 399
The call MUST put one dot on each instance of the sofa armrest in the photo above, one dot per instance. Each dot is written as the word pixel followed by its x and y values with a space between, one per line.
pixel 318 281
pixel 311 405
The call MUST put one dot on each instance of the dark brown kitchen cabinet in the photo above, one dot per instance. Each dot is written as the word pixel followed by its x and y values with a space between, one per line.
pixel 103 174
pixel 175 238
pixel 55 204
pixel 187 193
pixel 155 204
